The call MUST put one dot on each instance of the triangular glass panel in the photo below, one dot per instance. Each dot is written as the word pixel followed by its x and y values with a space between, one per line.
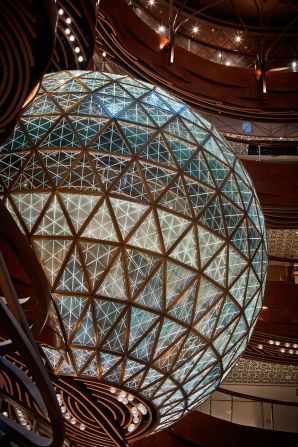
pixel 111 141
pixel 182 309
pixel 175 198
pixel 177 128
pixel 58 163
pixel 53 356
pixel 236 264
pixel 81 357
pixel 232 215
pixel 137 136
pixel 239 332
pixel 139 267
pixel 33 176
pixel 239 287
pixel 114 375
pixel 73 85
pixel 116 339
pixel 96 259
pixel 37 128
pixel 228 313
pixel 160 116
pixel 140 322
pixel 199 196
pixel 87 128
pixel 230 190
pixel 127 214
pixel 167 358
pixel 114 283
pixel 212 146
pixel 115 89
pixel 65 368
pixel 157 178
pixel 101 225
pixel 54 222
pixel 30 206
pixel 131 368
pixel 218 267
pixel 213 217
pixel 107 361
pixel 172 227
pixel 136 114
pixel 252 285
pixel 70 310
pixel 198 168
pixel 151 377
pixel 66 100
pixel 208 294
pixel 177 280
pixel 42 106
pixel 10 166
pixel 153 99
pixel 152 294
pixel 114 104
pixel 52 253
pixel 169 334
pixel 143 349
pixel 131 184
pixel 239 238
pixel 206 325
pixel 91 369
pixel 218 169
pixel 85 333
pixel 109 167
pixel 106 313
pixel 73 277
pixel 90 106
pixel 254 238
pixel 209 244
pixel 17 141
pixel 158 152
pixel 79 207
pixel 181 149
pixel 61 135
pixel 82 177
pixel 199 133
pixel 245 192
pixel 186 250
pixel 146 235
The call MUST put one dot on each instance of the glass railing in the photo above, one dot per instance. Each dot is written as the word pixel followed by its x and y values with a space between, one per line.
pixel 252 411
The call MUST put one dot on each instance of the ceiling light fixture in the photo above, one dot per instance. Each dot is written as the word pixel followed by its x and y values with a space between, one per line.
pixel 195 29
pixel 161 28
pixel 67 31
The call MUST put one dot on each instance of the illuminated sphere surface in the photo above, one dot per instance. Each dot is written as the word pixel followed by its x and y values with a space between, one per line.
pixel 149 232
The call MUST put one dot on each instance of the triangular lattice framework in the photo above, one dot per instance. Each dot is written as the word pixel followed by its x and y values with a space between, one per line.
pixel 149 231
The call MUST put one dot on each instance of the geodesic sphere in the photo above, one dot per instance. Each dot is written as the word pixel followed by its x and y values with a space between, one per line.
pixel 148 229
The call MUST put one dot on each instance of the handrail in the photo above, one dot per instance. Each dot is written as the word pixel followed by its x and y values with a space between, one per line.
pixel 257 398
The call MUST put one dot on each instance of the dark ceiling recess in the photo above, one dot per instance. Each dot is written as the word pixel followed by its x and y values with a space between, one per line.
pixel 262 90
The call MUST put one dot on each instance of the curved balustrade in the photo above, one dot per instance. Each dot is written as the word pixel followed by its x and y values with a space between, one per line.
pixel 251 410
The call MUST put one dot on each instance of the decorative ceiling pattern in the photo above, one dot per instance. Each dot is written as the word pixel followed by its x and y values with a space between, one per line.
pixel 251 371
pixel 283 243
pixel 148 229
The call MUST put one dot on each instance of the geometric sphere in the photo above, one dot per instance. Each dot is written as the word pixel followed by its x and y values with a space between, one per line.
pixel 148 229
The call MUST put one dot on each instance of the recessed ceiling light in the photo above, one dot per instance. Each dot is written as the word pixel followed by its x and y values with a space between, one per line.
pixel 60 12
pixel 68 20
pixel 238 38
pixel 161 28
pixel 77 49
pixel 195 29
pixel 151 2
pixel 67 31
pixel 80 59
pixel 72 37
